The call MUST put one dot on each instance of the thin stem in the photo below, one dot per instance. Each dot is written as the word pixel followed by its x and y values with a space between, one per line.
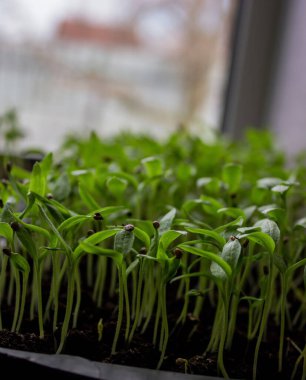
pixel 2 283
pixel 183 316
pixel 283 320
pixel 33 297
pixel 202 286
pixel 17 299
pixel 134 292
pixel 215 335
pixel 89 271
pixel 265 315
pixel 25 277
pixel 78 298
pixel 56 287
pixel 37 273
pixel 113 280
pixel 120 312
pixel 69 304
pixel 97 282
pixel 138 299
pixel 11 287
pixel 157 318
pixel 165 326
pixel 102 278
pixel 223 337
pixel 127 302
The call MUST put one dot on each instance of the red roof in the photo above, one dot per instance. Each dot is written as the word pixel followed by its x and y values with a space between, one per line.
pixel 80 30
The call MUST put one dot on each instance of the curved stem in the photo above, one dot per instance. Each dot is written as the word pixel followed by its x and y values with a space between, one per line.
pixel 78 298
pixel 69 304
pixel 127 302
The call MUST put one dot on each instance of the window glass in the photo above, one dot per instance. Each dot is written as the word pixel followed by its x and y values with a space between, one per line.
pixel 145 65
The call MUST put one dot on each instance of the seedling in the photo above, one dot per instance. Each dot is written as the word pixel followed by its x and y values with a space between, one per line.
pixel 129 218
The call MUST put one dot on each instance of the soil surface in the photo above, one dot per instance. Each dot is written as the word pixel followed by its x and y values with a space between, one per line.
pixel 185 353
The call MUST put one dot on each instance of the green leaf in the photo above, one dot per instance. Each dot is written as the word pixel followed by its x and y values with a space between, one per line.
pixel 296 266
pixel 210 256
pixel 300 224
pixel 269 227
pixel 166 239
pixel 211 205
pixel 124 241
pixel 282 189
pixel 233 212
pixel 273 211
pixel 268 183
pixel 38 181
pixel 232 176
pixel 69 223
pixel 211 184
pixel 184 171
pixel 87 198
pixel 235 223
pixel 262 239
pixel 132 266
pixel 191 204
pixel 34 228
pixel 148 257
pixel 6 231
pixel 246 230
pixel 96 250
pixel 144 225
pixel 96 238
pixel 27 241
pixel 106 211
pixel 142 236
pixel 46 164
pixel 213 234
pixel 166 221
pixel 173 265
pixel 61 188
pixel 153 166
pixel 20 263
pixel 116 185
pixel 230 254
pixel 127 177
pixel 249 211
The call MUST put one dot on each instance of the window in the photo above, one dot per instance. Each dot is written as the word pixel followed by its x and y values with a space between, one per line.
pixel 147 65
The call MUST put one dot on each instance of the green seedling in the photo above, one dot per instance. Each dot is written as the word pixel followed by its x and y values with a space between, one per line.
pixel 231 239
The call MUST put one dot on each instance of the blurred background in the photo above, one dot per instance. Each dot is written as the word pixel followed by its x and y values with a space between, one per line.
pixel 145 65
pixel 152 66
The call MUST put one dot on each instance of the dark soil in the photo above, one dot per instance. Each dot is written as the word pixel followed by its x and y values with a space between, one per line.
pixel 83 341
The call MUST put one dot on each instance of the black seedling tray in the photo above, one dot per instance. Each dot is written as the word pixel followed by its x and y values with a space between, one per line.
pixel 60 367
